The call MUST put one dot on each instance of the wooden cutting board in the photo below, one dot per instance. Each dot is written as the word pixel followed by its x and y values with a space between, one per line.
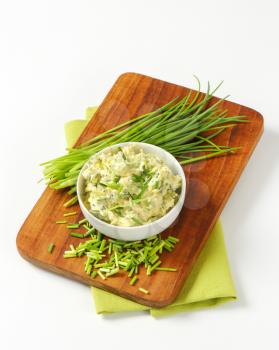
pixel 209 185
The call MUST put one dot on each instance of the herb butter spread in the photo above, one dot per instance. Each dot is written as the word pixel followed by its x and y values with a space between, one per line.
pixel 129 187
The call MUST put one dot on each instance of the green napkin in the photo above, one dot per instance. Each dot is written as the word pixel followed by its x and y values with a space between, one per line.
pixel 210 282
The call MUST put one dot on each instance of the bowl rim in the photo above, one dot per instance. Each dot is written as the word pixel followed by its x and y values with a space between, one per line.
pixel 129 228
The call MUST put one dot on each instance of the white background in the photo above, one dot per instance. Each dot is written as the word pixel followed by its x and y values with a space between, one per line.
pixel 56 58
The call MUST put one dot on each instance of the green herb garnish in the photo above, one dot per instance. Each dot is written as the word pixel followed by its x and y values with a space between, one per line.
pixel 145 291
pixel 50 247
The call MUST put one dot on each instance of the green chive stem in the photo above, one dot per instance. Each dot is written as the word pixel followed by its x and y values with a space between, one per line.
pixel 50 248
pixel 133 280
pixel 145 291
pixel 70 214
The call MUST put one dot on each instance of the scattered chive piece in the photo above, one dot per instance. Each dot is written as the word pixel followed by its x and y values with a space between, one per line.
pixel 143 290
pixel 70 202
pixel 87 234
pixel 133 280
pixel 69 255
pixel 173 239
pixel 86 227
pixel 76 234
pixel 116 259
pixel 61 222
pixel 99 236
pixel 172 269
pixel 101 275
pixel 83 221
pixel 70 214
pixel 50 247
pixel 72 190
pixel 73 226
pixel 112 272
pixel 94 274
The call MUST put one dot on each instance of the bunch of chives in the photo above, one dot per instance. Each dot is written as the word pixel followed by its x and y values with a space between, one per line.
pixel 186 128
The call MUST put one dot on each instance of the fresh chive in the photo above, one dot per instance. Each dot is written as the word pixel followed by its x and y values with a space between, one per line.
pixel 158 263
pixel 130 274
pixel 99 236
pixel 185 127
pixel 73 226
pixel 102 246
pixel 69 255
pixel 76 234
pixel 70 214
pixel 110 248
pixel 61 222
pixel 89 232
pixel 171 269
pixel 145 291
pixel 112 272
pixel 83 221
pixel 72 190
pixel 173 239
pixel 101 275
pixel 133 280
pixel 71 202
pixel 50 247
pixel 116 259
pixel 94 274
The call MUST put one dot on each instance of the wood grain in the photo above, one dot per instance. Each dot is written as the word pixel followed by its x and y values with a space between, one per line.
pixel 210 184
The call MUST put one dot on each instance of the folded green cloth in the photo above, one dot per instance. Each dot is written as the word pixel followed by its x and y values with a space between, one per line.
pixel 210 282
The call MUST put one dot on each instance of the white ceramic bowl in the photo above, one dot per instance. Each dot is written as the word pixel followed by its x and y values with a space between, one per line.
pixel 136 232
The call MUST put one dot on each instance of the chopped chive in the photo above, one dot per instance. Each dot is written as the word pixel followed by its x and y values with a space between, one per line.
pixel 70 202
pixel 50 247
pixel 76 234
pixel 101 275
pixel 94 274
pixel 69 255
pixel 120 255
pixel 72 248
pixel 88 270
pixel 104 269
pixel 102 246
pixel 130 274
pixel 72 190
pixel 83 221
pixel 91 231
pixel 73 226
pixel 112 272
pixel 171 269
pixel 99 236
pixel 61 222
pixel 173 239
pixel 153 258
pixel 110 248
pixel 88 233
pixel 133 280
pixel 116 259
pixel 158 263
pixel 145 291
pixel 70 214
